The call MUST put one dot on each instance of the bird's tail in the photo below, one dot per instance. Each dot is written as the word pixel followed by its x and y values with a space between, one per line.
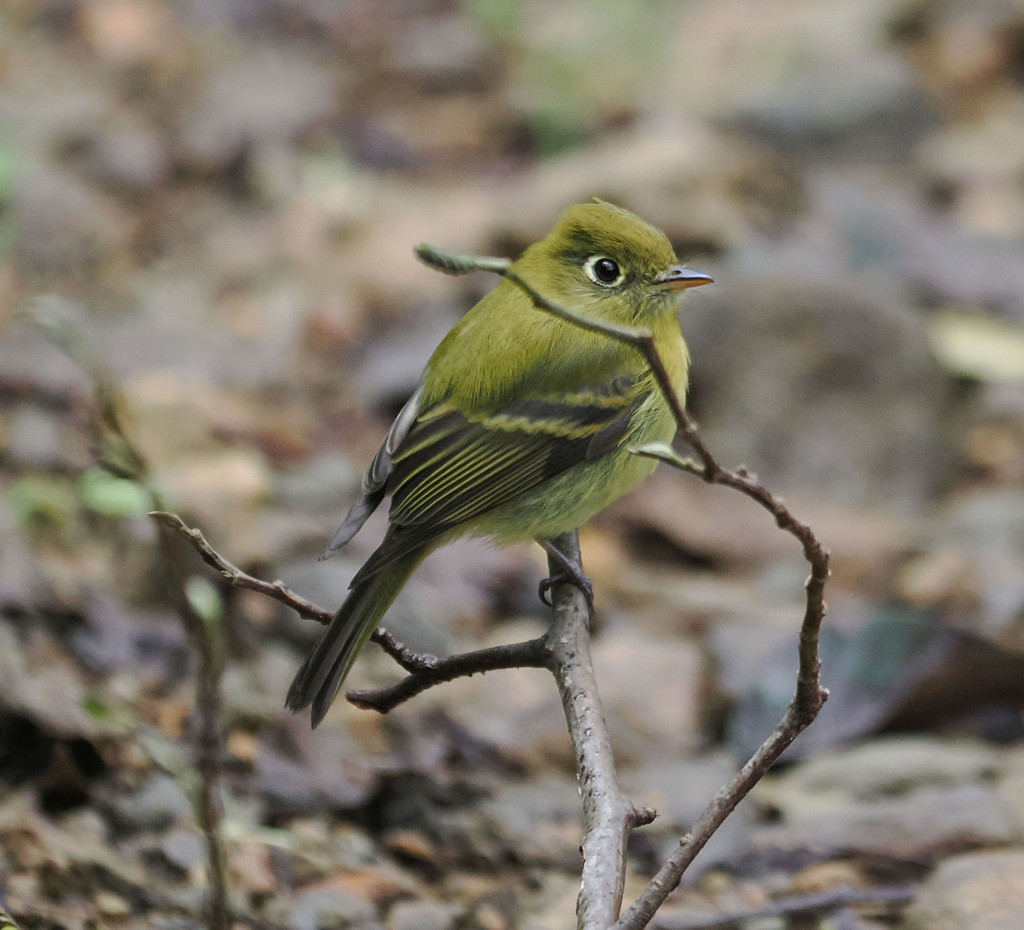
pixel 319 679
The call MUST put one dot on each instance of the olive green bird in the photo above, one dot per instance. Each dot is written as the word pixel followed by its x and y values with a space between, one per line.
pixel 521 426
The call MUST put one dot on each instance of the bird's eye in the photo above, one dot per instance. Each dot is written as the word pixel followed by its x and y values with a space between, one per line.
pixel 603 270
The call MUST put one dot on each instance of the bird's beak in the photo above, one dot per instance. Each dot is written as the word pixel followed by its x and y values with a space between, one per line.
pixel 679 277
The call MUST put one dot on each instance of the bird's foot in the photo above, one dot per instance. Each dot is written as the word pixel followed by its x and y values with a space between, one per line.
pixel 570 572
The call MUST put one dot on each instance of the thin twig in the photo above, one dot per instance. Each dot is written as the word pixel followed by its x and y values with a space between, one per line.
pixel 207 640
pixel 529 654
pixel 118 454
pixel 238 578
pixel 408 659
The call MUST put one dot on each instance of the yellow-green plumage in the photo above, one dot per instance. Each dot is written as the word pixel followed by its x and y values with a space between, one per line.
pixel 521 426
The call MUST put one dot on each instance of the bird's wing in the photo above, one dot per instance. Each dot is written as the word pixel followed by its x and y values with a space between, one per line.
pixel 375 480
pixel 451 468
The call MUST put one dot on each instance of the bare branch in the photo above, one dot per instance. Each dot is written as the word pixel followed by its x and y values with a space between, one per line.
pixel 236 576
pixel 809 696
pixel 607 814
pixel 529 654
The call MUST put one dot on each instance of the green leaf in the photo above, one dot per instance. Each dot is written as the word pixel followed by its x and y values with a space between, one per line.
pixel 112 496
pixel 43 501
pixel 204 598
pixel 95 708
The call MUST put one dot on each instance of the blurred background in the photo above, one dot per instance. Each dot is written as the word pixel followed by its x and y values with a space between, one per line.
pixel 207 216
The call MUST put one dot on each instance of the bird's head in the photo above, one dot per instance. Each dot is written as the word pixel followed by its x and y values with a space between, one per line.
pixel 603 259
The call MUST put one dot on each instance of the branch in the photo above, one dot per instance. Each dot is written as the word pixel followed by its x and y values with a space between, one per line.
pixel 809 697
pixel 607 815
pixel 236 577
pixel 529 654
pixel 411 661
pixel 565 651
pixel 119 454
pixel 207 636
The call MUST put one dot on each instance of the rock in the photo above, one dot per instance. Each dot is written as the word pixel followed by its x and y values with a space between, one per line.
pixel 552 905
pixel 66 230
pixel 982 891
pixel 872 100
pixel 184 849
pixel 38 439
pixel 539 820
pixel 422 915
pixel 821 387
pixel 884 667
pixel 916 825
pixel 112 905
pixel 908 798
pixel 328 909
pixel 128 155
pixel 442 53
pixel 679 791
pixel 887 766
pixel 157 805
pixel 651 692
pixel 986 528
pixel 518 711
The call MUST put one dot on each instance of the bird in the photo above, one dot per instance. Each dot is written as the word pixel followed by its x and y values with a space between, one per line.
pixel 521 426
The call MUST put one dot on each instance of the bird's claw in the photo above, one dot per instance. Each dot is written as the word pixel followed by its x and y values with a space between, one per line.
pixel 577 578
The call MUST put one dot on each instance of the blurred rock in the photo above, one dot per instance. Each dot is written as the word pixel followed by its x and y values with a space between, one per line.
pixel 422 915
pixel 976 165
pixel 184 849
pixel 37 438
pixel 66 229
pixel 127 32
pixel 128 155
pixel 986 529
pixel 538 821
pixel 981 890
pixel 42 682
pixel 22 579
pixel 266 95
pixel 158 804
pixel 823 389
pixel 887 766
pixel 679 791
pixel 1011 784
pixel 910 798
pixel 517 711
pixel 867 103
pixel 651 692
pixel 884 667
pixel 441 53
pixel 300 770
pixel 328 909
pixel 553 903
